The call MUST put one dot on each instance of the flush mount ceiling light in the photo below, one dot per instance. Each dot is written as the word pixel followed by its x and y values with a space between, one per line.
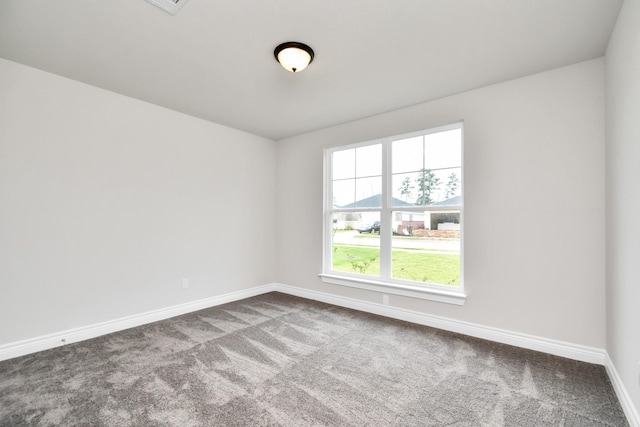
pixel 293 56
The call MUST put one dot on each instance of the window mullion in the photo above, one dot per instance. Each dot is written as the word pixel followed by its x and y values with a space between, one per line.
pixel 385 213
pixel 327 243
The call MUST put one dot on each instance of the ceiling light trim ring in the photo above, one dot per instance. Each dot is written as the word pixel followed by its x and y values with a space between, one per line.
pixel 293 45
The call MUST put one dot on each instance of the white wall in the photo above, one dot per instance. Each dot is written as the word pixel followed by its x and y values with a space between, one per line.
pixel 623 198
pixel 106 203
pixel 534 203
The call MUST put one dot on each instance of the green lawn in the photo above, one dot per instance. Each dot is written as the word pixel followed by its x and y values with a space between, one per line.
pixel 419 266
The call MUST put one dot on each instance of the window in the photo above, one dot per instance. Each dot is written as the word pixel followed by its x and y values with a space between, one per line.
pixel 393 215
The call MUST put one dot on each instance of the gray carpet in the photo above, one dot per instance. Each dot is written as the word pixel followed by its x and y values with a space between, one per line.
pixel 278 360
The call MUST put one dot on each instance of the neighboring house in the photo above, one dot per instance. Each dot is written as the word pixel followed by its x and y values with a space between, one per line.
pixel 354 220
pixel 444 220
pixel 448 220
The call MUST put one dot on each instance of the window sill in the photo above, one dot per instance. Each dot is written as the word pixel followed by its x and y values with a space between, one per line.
pixel 449 297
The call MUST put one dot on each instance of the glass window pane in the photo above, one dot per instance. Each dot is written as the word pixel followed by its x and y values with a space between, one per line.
pixel 344 163
pixel 369 160
pixel 428 187
pixel 404 189
pixel 426 247
pixel 407 155
pixel 443 149
pixel 344 192
pixel 356 243
pixel 368 192
pixel 448 192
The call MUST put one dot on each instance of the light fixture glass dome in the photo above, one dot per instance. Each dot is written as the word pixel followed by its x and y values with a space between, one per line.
pixel 293 56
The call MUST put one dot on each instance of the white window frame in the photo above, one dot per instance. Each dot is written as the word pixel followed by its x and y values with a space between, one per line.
pixel 385 283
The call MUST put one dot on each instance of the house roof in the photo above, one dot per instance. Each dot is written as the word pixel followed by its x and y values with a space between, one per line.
pixel 453 201
pixel 374 202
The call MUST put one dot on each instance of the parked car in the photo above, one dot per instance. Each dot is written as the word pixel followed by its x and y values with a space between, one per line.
pixel 370 228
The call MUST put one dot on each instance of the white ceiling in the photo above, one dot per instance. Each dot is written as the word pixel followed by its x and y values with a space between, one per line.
pixel 214 59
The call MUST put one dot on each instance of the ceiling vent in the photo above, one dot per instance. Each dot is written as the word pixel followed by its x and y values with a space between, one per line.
pixel 170 6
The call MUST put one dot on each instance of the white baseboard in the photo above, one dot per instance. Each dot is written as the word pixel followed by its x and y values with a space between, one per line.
pixel 558 348
pixel 45 342
pixel 625 400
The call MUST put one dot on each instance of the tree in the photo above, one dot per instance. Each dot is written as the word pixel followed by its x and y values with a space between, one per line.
pixel 452 186
pixel 427 183
pixel 405 188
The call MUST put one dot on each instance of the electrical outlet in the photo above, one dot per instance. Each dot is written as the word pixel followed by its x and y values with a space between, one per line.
pixel 385 299
pixel 185 283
